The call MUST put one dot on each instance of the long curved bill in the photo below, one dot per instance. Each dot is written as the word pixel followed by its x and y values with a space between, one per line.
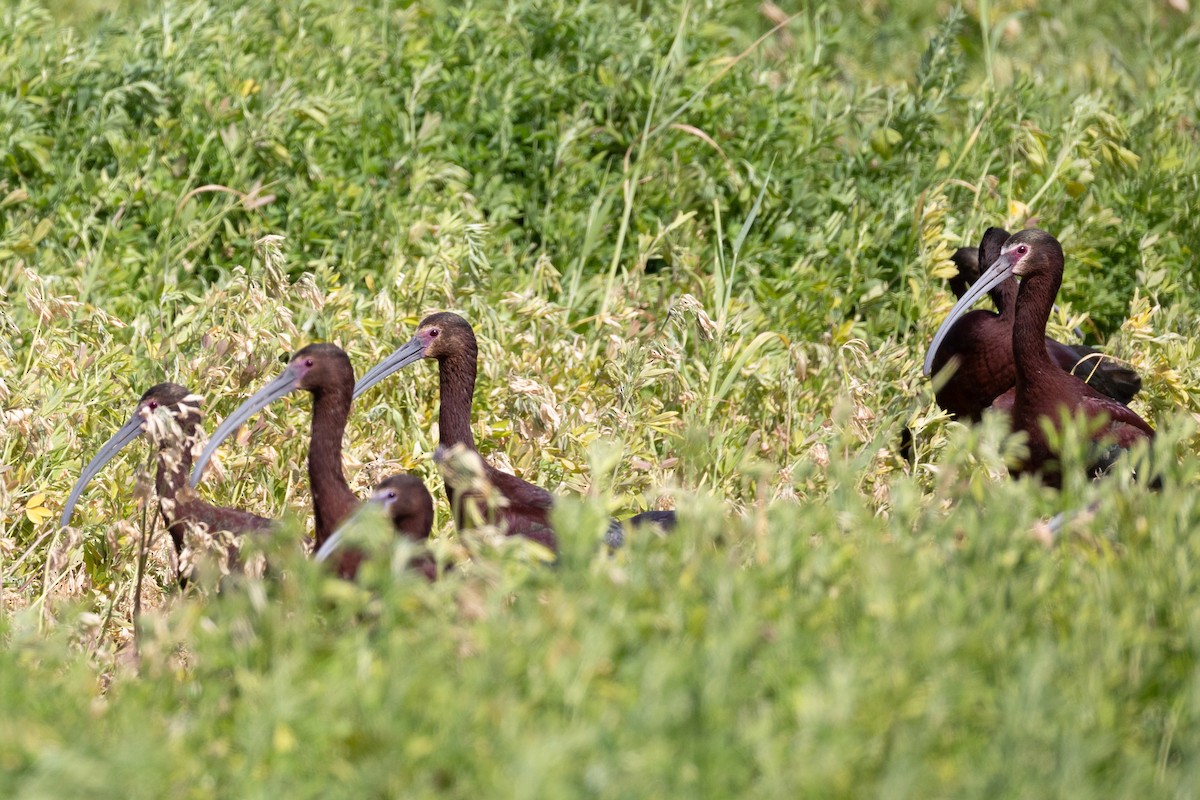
pixel 379 497
pixel 331 544
pixel 407 354
pixel 1000 270
pixel 285 383
pixel 128 432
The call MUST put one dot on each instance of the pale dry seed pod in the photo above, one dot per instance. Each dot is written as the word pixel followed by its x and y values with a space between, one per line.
pixel 688 304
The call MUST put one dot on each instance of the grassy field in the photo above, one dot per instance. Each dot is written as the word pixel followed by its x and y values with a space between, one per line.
pixel 704 247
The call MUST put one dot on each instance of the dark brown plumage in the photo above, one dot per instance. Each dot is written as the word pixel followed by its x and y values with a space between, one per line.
pixel 1043 390
pixel 408 504
pixel 449 339
pixel 409 507
pixel 965 391
pixel 324 371
pixel 979 344
pixel 170 415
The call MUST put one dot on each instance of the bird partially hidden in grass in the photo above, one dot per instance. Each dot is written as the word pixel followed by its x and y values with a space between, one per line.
pixel 324 371
pixel 979 346
pixel 169 415
pixel 1102 372
pixel 492 497
pixel 614 535
pixel 399 506
pixel 1043 391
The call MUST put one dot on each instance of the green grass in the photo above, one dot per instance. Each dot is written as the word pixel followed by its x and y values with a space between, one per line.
pixel 704 259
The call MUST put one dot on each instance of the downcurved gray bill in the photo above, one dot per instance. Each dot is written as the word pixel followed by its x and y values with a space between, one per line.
pixel 128 432
pixel 331 544
pixel 1000 270
pixel 409 353
pixel 378 496
pixel 274 390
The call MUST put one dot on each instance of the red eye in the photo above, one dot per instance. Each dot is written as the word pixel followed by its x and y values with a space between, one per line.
pixel 1022 250
pixel 308 362
pixel 153 404
pixel 433 333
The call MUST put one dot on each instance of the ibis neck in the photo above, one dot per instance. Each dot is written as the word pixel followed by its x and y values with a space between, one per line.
pixel 175 459
pixel 1035 300
pixel 331 494
pixel 414 525
pixel 456 386
pixel 174 466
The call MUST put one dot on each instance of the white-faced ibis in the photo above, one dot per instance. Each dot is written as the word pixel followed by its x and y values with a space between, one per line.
pixel 981 346
pixel 449 339
pixel 324 371
pixel 1102 373
pixel 170 415
pixel 407 503
pixel 1043 390
pixel 409 506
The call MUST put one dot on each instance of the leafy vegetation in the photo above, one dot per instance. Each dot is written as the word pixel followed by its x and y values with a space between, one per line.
pixel 703 246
